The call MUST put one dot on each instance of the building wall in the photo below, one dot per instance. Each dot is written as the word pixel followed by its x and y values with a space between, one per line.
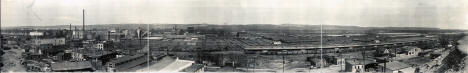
pixel 407 70
pixel 36 33
pixel 77 35
pixel 121 66
pixel 54 41
pixel 201 69
pixel 342 63
pixel 100 46
pixel 78 56
pixel 413 52
pixel 357 68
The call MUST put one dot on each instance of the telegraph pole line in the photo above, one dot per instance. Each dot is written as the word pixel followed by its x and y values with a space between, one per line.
pixel 321 46
pixel 149 50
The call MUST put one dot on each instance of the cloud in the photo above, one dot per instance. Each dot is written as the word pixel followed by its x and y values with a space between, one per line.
pixel 412 13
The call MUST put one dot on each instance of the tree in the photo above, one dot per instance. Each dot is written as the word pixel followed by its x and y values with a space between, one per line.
pixel 6 48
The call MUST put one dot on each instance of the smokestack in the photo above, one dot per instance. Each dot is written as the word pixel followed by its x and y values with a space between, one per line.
pixel 84 32
pixel 70 27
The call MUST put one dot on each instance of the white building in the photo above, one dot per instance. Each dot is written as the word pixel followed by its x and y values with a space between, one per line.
pixel 52 41
pixel 77 35
pixel 357 65
pixel 277 42
pixel 408 52
pixel 36 33
pixel 100 46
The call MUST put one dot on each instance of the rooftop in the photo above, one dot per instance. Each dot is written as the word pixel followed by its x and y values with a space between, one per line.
pixel 360 61
pixel 126 58
pixel 395 65
pixel 193 68
pixel 168 64
pixel 92 52
pixel 417 60
pixel 71 65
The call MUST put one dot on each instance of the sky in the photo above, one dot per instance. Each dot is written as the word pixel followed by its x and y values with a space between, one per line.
pixel 446 14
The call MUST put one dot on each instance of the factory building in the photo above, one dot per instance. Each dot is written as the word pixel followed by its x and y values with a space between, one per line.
pixel 51 41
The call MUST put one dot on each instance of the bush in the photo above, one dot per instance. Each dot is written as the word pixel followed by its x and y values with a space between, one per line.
pixel 6 48
pixel 1 52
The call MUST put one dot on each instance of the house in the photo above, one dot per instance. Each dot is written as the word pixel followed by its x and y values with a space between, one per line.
pixel 407 52
pixel 317 62
pixel 357 65
pixel 322 61
pixel 93 44
pixel 401 53
pixel 84 54
pixel 100 46
pixel 340 61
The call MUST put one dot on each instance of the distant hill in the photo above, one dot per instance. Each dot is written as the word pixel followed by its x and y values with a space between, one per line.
pixel 227 27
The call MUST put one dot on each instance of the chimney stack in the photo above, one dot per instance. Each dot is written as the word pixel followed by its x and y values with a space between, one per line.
pixel 84 32
pixel 70 27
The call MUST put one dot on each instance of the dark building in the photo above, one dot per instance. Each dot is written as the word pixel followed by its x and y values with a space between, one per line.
pixel 126 62
pixel 191 30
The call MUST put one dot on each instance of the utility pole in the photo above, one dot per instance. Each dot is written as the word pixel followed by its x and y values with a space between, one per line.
pixel 364 57
pixel 149 50
pixel 283 63
pixel 284 51
pixel 1 36
pixel 385 64
pixel 321 46
pixel 139 39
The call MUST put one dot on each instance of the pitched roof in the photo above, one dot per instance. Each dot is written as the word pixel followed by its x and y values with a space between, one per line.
pixel 395 65
pixel 93 52
pixel 193 68
pixel 71 65
pixel 126 58
pixel 360 61
pixel 168 64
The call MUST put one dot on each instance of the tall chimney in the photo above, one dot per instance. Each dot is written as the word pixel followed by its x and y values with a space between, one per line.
pixel 70 27
pixel 84 32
